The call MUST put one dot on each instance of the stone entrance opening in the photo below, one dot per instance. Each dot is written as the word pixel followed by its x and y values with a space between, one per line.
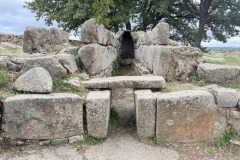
pixel 127 49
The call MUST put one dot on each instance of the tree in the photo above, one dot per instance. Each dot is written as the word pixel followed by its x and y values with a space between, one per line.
pixel 191 21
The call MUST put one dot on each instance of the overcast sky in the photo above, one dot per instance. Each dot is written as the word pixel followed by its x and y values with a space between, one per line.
pixel 14 19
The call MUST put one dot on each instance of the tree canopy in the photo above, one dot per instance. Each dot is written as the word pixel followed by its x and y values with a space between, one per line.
pixel 191 21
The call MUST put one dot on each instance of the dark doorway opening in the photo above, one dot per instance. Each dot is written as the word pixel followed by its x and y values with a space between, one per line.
pixel 127 49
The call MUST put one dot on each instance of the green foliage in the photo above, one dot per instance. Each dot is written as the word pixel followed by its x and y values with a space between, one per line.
pixel 5 79
pixel 116 71
pixel 113 120
pixel 60 86
pixel 233 86
pixel 224 140
pixel 89 140
pixel 153 139
pixel 194 77
pixel 228 60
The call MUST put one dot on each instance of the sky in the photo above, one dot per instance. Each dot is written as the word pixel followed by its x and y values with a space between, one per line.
pixel 14 18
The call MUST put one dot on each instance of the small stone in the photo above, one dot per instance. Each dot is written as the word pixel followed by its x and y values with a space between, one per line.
pixel 45 143
pixel 20 143
pixel 73 81
pixel 75 139
pixel 59 141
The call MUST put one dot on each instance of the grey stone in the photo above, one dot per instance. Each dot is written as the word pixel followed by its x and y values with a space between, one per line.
pixel 215 73
pixel 98 113
pixel 158 36
pixel 36 80
pixel 225 97
pixel 39 116
pixel 235 119
pixel 75 139
pixel 50 63
pixel 3 62
pixel 140 82
pixel 38 39
pixel 69 50
pixel 188 116
pixel 20 143
pixel 96 58
pixel 59 141
pixel 68 62
pixel 45 143
pixel 73 81
pixel 91 32
pixel 171 62
pixel 145 102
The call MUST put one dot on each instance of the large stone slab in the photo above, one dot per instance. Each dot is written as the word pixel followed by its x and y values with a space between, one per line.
pixel 96 58
pixel 188 116
pixel 50 63
pixel 145 103
pixel 171 62
pixel 39 116
pixel 158 36
pixel 91 32
pixel 225 97
pixel 98 113
pixel 140 82
pixel 215 73
pixel 39 40
pixel 36 80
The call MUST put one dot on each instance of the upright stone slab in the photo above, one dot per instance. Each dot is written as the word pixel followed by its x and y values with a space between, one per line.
pixel 145 103
pixel 188 116
pixel 43 116
pixel 98 113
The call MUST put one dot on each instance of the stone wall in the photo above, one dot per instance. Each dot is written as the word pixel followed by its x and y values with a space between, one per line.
pixel 10 38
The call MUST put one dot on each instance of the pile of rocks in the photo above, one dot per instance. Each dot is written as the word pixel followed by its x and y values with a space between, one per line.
pixel 13 39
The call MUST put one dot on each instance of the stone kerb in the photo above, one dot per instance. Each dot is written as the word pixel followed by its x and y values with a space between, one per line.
pixel 43 116
pixel 98 113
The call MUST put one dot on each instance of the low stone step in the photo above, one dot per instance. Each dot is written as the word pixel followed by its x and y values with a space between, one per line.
pixel 141 82
pixel 215 73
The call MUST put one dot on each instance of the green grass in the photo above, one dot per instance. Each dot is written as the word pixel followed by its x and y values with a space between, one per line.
pixel 89 140
pixel 232 86
pixel 58 48
pixel 60 86
pixel 194 77
pixel 113 120
pixel 175 86
pixel 116 71
pixel 79 75
pixel 224 140
pixel 10 51
pixel 228 60
pixel 153 139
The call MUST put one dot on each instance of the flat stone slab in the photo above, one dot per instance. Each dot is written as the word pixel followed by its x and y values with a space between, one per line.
pixel 215 73
pixel 120 147
pixel 98 113
pixel 141 82
pixel 43 116
pixel 188 116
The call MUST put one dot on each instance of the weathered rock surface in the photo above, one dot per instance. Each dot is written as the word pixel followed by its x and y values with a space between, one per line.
pixel 36 80
pixel 139 82
pixel 96 58
pixel 215 73
pixel 158 36
pixel 69 50
pixel 48 62
pixel 3 62
pixel 41 40
pixel 171 62
pixel 91 32
pixel 39 116
pixel 145 103
pixel 98 113
pixel 225 97
pixel 235 119
pixel 188 116
pixel 68 62
pixel 7 45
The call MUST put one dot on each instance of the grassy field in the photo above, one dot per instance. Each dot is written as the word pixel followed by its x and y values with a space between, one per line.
pixel 221 58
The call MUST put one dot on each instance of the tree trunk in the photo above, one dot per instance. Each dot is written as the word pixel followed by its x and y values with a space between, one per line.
pixel 200 33
pixel 128 26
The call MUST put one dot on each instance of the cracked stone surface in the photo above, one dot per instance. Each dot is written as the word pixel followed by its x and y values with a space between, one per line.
pixel 118 147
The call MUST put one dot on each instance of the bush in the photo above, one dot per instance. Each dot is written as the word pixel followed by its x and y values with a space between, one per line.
pixel 116 67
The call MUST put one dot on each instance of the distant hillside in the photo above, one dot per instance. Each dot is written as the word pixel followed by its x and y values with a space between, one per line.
pixel 224 49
